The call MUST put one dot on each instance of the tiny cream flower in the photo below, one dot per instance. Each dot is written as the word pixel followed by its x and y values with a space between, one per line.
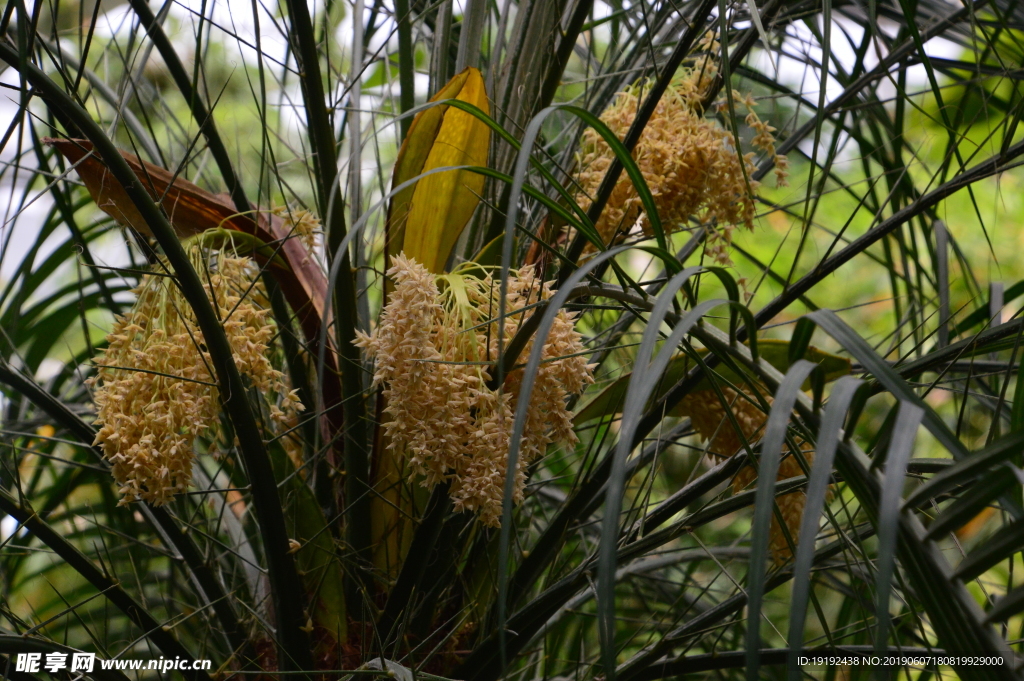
pixel 303 223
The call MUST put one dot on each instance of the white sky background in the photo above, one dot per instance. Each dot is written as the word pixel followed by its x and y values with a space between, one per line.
pixel 17 233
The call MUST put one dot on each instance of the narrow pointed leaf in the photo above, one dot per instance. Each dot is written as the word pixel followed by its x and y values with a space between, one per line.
pixel 901 447
pixel 817 487
pixel 987 491
pixel 767 470
pixel 1008 541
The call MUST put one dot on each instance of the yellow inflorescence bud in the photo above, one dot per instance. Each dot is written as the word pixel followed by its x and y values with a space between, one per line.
pixel 154 390
pixel 432 349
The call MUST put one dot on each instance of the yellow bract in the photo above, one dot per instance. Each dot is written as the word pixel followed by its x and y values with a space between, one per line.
pixel 426 219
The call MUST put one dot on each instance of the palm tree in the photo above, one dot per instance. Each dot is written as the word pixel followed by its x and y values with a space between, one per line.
pixel 283 387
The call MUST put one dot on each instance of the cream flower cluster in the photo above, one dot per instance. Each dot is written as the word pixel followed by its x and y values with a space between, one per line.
pixel 302 223
pixel 709 419
pixel 432 347
pixel 690 162
pixel 155 390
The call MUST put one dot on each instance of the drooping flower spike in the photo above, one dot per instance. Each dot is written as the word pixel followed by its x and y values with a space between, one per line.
pixel 155 391
pixel 689 161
